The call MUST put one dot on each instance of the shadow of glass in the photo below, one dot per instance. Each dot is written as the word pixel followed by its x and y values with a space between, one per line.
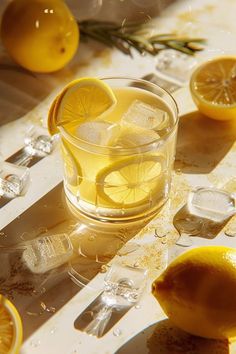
pixel 192 225
pixel 165 338
pixel 94 244
pixel 202 143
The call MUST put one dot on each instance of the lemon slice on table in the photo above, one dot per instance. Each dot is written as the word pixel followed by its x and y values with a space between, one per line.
pixel 213 88
pixel 10 328
pixel 83 99
pixel 132 181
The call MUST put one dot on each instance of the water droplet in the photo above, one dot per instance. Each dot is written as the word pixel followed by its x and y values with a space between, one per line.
pixel 137 307
pixel 159 233
pixel 53 330
pixel 117 332
pixel 42 230
pixel 25 236
pixel 178 171
pixel 35 343
pixel 230 233
pixel 91 238
pixel 103 269
pixel 128 248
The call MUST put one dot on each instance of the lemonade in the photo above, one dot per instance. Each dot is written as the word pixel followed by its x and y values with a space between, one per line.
pixel 118 166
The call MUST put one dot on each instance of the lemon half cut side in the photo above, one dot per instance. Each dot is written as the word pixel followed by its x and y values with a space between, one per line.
pixel 213 88
pixel 10 328
pixel 81 100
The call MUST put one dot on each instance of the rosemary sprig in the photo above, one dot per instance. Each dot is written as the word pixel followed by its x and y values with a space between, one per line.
pixel 135 35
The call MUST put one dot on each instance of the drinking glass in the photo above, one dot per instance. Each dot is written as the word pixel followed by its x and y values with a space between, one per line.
pixel 127 175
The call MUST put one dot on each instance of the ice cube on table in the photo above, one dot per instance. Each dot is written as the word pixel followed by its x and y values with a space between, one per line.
pixel 14 180
pixel 146 116
pixel 124 285
pixel 211 203
pixel 175 65
pixel 38 142
pixel 135 136
pixel 47 252
pixel 98 132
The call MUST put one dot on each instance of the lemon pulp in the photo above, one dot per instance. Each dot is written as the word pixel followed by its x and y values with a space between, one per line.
pixel 10 327
pixel 213 88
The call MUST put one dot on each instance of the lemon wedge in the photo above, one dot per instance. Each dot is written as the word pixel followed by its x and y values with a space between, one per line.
pixel 197 291
pixel 10 327
pixel 132 181
pixel 213 88
pixel 82 100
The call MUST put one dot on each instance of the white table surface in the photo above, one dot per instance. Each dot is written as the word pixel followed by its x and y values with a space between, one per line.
pixel 25 100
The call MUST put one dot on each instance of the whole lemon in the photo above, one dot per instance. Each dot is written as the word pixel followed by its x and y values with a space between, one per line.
pixel 197 292
pixel 40 35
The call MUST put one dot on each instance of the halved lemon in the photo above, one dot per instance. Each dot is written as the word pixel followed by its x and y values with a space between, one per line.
pixel 82 100
pixel 213 88
pixel 132 181
pixel 10 328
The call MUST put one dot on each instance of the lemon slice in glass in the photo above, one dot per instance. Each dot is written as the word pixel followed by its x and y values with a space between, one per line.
pixel 72 168
pixel 10 327
pixel 82 100
pixel 132 181
pixel 213 88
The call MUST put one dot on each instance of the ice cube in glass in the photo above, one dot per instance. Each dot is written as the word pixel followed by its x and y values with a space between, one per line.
pixel 99 133
pixel 135 136
pixel 47 252
pixel 14 180
pixel 146 116
pixel 211 203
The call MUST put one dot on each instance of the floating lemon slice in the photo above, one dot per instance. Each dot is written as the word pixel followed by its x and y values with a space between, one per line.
pixel 82 100
pixel 10 328
pixel 72 168
pixel 132 181
pixel 213 88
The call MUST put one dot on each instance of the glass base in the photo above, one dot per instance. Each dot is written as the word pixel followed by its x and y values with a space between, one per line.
pixel 113 215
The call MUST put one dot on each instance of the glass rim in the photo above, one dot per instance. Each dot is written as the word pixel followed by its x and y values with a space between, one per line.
pixel 136 149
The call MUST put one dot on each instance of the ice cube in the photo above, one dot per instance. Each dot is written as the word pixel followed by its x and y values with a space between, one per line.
pixel 37 142
pixel 175 65
pixel 124 285
pixel 14 180
pixel 47 252
pixel 146 116
pixel 211 203
pixel 99 132
pixel 134 136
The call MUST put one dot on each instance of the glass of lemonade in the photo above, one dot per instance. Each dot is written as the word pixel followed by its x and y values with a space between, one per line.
pixel 118 167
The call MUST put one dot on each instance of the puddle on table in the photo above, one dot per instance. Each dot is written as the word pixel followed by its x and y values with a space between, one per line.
pixel 38 296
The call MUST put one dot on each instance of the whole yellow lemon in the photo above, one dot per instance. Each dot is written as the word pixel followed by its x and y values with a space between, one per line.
pixel 197 292
pixel 40 35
